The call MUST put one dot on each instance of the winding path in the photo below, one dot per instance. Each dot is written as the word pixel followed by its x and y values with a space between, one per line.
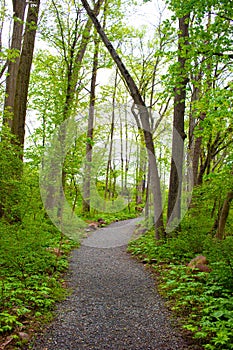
pixel 114 304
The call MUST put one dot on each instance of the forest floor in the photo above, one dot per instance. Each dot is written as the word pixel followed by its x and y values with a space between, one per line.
pixel 114 303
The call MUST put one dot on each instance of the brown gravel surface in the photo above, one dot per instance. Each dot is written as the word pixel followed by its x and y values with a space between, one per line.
pixel 114 304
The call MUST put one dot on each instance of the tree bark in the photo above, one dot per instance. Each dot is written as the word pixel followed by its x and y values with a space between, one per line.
pixel 140 173
pixel 213 148
pixel 90 129
pixel 144 116
pixel 13 66
pixel 108 170
pixel 178 137
pixel 194 142
pixel 22 83
pixel 224 215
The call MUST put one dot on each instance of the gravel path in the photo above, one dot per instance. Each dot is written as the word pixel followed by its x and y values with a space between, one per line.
pixel 114 304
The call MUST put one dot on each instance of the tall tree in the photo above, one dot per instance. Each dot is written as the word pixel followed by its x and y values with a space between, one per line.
pixel 110 153
pixel 13 65
pixel 90 131
pixel 144 116
pixel 23 74
pixel 178 135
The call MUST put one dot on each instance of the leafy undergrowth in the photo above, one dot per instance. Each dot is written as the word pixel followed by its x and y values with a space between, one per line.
pixel 33 259
pixel 32 262
pixel 202 302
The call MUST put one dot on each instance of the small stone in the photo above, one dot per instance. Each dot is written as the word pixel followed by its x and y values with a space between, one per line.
pixel 24 336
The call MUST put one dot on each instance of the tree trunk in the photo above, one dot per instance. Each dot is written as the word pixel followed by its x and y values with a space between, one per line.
pixel 140 173
pixel 22 83
pixel 90 128
pixel 122 155
pixel 108 170
pixel 17 86
pixel 13 66
pixel 126 153
pixel 140 179
pixel 147 200
pixel 224 215
pixel 196 157
pixel 194 142
pixel 178 137
pixel 212 150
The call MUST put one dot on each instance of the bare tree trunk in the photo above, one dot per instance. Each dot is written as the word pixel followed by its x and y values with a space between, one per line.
pixel 224 215
pixel 178 137
pixel 196 158
pixel 140 173
pixel 213 148
pixel 126 153
pixel 144 116
pixel 22 83
pixel 90 129
pixel 147 206
pixel 108 170
pixel 194 142
pixel 140 179
pixel 122 155
pixel 13 66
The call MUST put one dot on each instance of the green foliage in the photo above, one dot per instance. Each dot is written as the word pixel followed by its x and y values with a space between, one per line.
pixel 202 301
pixel 209 305
pixel 220 254
pixel 10 182
pixel 8 322
pixel 33 253
pixel 30 270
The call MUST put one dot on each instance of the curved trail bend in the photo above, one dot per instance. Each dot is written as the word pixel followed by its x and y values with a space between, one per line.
pixel 114 304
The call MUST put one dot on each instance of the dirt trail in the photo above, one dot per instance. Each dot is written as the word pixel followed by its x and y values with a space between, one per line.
pixel 114 304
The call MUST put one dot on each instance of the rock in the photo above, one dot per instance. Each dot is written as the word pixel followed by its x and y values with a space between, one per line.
pixel 93 225
pixel 56 251
pixel 24 336
pixel 200 263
